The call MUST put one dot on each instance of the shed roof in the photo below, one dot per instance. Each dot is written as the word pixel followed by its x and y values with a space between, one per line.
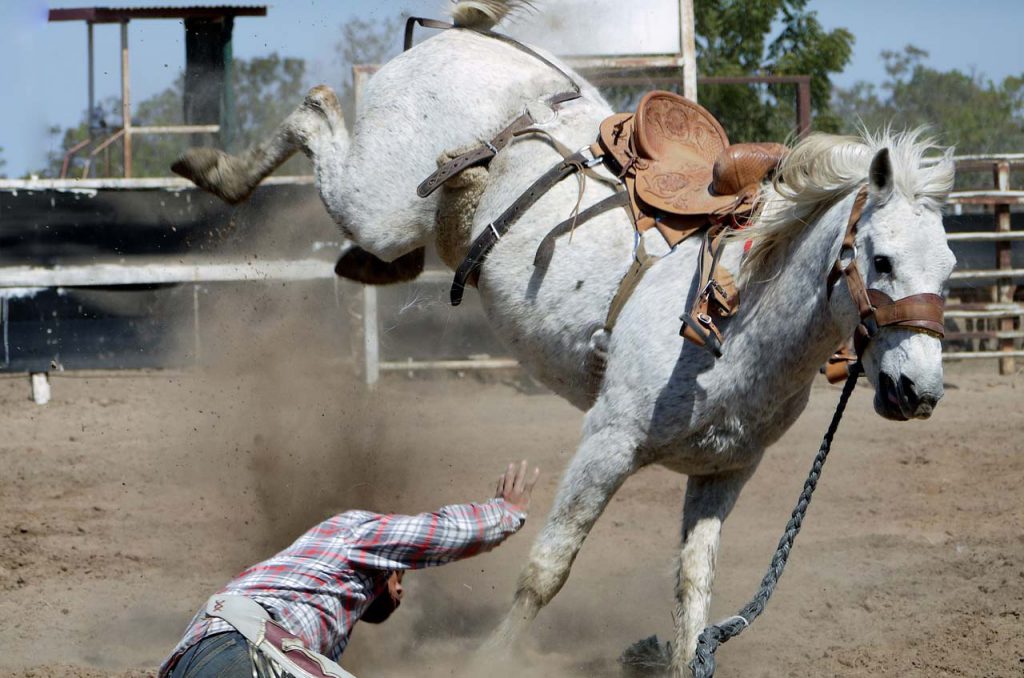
pixel 106 15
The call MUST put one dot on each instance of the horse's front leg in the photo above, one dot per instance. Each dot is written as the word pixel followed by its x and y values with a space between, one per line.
pixel 709 499
pixel 605 458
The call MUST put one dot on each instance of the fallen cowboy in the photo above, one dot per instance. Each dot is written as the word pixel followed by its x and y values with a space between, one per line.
pixel 293 613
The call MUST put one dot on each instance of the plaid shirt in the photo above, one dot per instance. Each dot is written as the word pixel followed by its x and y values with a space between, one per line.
pixel 318 587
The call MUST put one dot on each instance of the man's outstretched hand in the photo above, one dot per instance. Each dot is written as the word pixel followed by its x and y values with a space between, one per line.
pixel 515 486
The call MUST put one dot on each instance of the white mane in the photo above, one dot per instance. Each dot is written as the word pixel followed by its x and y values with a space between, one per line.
pixel 824 168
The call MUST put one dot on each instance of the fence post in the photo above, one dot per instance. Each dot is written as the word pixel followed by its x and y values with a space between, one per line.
pixel 1004 260
pixel 371 340
pixel 196 345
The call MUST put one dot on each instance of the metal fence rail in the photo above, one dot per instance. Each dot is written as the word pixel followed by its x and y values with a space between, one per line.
pixel 996 322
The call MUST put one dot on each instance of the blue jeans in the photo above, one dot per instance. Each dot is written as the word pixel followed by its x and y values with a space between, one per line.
pixel 225 654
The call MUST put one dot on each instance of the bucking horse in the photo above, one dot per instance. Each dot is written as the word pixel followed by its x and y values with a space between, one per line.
pixel 839 226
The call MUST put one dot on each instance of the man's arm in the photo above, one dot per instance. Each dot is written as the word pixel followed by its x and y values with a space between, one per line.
pixel 396 542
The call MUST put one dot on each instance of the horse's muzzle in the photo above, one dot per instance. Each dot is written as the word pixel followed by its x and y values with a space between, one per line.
pixel 902 400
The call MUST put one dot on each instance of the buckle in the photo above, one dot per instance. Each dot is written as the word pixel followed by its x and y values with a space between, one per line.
pixel 589 160
pixel 713 286
pixel 847 256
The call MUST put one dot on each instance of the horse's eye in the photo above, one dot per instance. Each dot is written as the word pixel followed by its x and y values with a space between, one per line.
pixel 883 265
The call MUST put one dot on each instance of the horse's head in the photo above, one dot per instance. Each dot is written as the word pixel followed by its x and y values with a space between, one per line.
pixel 901 251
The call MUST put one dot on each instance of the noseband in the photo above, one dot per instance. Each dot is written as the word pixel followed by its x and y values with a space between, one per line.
pixel 917 312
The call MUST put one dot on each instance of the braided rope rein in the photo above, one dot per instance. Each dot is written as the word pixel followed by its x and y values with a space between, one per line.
pixel 703 664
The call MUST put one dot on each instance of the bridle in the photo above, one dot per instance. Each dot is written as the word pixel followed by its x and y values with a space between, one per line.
pixel 917 312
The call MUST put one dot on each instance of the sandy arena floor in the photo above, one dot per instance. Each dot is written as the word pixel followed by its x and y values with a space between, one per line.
pixel 131 496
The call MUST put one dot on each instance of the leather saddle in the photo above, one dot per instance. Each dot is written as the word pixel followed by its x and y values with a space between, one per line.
pixel 682 176
pixel 678 167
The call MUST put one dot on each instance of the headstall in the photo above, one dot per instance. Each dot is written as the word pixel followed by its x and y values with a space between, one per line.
pixel 877 310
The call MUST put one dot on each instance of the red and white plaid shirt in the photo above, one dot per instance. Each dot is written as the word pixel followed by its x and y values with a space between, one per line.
pixel 318 587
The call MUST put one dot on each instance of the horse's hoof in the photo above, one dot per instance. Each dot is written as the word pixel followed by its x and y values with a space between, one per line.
pixel 214 171
pixel 359 265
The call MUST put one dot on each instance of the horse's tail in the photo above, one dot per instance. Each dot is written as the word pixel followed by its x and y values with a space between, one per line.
pixel 484 14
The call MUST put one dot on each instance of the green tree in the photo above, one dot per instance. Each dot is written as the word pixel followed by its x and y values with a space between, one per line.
pixel 767 37
pixel 965 110
pixel 267 89
pixel 365 43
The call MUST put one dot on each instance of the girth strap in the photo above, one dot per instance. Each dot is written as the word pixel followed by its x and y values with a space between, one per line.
pixel 469 270
pixel 642 261
pixel 486 151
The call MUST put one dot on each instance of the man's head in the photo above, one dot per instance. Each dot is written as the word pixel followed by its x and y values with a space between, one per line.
pixel 387 601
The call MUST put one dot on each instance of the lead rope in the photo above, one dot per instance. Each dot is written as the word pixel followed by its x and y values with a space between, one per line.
pixel 703 664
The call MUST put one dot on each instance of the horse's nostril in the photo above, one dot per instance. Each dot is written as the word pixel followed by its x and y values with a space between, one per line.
pixel 908 391
pixel 917 404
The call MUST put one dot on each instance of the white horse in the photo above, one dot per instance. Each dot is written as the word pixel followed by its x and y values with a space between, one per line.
pixel 661 400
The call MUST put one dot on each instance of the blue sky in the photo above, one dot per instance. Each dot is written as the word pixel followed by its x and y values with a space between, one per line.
pixel 44 79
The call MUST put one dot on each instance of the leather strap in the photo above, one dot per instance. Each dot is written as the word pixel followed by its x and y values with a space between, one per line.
pixel 917 312
pixel 469 271
pixel 484 153
pixel 642 261
pixel 849 246
pixel 716 296
pixel 544 251
pixel 920 311
pixel 410 26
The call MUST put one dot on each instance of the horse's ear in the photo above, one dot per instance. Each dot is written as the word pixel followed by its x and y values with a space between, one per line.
pixel 880 174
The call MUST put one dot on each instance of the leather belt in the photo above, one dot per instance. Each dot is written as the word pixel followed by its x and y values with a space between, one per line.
pixel 469 271
pixel 485 152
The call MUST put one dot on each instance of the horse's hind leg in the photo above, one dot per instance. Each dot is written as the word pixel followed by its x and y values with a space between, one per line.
pixel 709 499
pixel 309 128
pixel 605 458
pixel 387 250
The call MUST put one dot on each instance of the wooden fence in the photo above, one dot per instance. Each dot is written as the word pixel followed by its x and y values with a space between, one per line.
pixel 988 320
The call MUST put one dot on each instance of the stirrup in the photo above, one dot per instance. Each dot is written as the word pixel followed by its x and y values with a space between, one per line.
pixel 698 334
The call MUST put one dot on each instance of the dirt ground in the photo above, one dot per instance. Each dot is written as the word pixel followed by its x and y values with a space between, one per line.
pixel 131 496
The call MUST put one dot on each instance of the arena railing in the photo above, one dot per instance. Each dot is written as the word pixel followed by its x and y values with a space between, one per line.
pixel 998 320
